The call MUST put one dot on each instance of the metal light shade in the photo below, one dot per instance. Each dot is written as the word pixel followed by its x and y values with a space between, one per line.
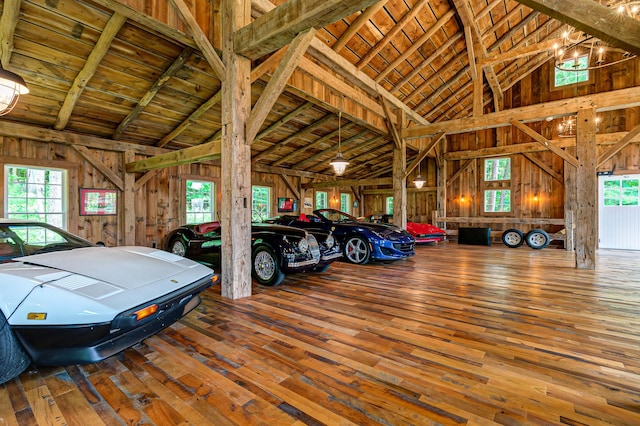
pixel 339 164
pixel 419 182
pixel 11 87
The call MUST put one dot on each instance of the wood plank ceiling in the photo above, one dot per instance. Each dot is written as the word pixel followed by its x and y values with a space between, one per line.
pixel 101 69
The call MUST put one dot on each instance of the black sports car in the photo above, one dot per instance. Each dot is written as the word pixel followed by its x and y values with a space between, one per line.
pixel 361 241
pixel 275 250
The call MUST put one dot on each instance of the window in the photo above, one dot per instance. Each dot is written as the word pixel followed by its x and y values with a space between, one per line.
pixel 322 200
pixel 621 192
pixel 345 203
pixel 497 173
pixel 260 203
pixel 388 205
pixel 36 194
pixel 200 201
pixel 572 71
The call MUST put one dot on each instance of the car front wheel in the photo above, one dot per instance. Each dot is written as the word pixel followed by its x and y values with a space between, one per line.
pixel 512 238
pixel 356 250
pixel 265 268
pixel 13 359
pixel 537 239
pixel 178 247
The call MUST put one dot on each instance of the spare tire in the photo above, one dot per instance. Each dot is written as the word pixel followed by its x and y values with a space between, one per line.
pixel 13 359
pixel 512 238
pixel 537 239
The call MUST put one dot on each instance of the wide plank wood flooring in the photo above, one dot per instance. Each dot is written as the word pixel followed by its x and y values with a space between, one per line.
pixel 456 335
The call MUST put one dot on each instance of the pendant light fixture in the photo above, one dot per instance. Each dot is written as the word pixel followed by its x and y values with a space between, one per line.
pixel 339 164
pixel 11 87
pixel 419 181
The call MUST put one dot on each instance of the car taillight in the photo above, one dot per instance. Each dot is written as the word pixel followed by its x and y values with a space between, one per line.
pixel 146 312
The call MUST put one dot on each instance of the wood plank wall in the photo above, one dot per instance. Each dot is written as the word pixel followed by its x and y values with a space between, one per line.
pixel 528 179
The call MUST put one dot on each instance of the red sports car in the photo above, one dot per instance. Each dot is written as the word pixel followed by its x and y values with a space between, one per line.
pixel 422 232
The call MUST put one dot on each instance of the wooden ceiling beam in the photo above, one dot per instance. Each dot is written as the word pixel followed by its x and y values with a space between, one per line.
pixel 346 182
pixel 212 101
pixel 424 152
pixel 626 140
pixel 206 151
pixel 310 128
pixel 545 142
pixel 353 29
pixel 411 14
pixel 594 19
pixel 8 23
pixel 100 49
pixel 329 151
pixel 608 101
pixel 153 90
pixel 201 39
pixel 277 27
pixel 416 45
pixel 277 82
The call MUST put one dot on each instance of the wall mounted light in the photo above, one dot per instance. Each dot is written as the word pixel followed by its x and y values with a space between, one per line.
pixel 462 198
pixel 535 198
pixel 11 87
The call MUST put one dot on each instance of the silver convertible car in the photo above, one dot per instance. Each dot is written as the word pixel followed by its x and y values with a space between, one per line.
pixel 64 300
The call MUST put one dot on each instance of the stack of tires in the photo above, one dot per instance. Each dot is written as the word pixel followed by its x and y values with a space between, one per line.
pixel 536 238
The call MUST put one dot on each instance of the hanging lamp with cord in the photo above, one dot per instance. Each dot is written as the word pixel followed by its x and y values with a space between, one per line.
pixel 11 87
pixel 419 181
pixel 339 164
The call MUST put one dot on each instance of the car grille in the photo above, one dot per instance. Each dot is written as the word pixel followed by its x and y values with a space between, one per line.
pixel 403 246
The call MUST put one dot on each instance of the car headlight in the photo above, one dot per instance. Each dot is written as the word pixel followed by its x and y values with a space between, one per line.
pixel 330 241
pixel 303 245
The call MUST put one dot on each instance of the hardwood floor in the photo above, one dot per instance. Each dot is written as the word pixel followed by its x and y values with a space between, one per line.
pixel 456 335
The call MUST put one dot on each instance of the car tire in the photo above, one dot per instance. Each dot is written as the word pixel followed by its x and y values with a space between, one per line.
pixel 265 267
pixel 512 238
pixel 356 250
pixel 178 247
pixel 537 239
pixel 13 359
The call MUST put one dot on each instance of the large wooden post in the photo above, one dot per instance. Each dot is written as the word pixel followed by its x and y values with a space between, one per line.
pixel 586 194
pixel 236 156
pixel 570 202
pixel 441 191
pixel 129 210
pixel 399 181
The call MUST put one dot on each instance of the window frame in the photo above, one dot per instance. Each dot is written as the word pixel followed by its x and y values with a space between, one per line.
pixel 496 185
pixel 213 199
pixel 578 72
pixel 388 200
pixel 326 200
pixel 345 200
pixel 67 176
pixel 269 202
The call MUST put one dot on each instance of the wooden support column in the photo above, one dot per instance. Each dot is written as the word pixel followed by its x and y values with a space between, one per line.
pixel 128 204
pixel 570 201
pixel 586 234
pixel 441 192
pixel 399 180
pixel 236 156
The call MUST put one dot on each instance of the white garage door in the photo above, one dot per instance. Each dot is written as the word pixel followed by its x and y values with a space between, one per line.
pixel 619 212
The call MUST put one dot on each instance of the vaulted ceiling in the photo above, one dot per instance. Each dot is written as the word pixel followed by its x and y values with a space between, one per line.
pixel 105 70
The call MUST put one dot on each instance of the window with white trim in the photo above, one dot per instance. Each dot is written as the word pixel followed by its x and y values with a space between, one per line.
pixel 571 71
pixel 200 201
pixel 497 185
pixel 260 203
pixel 345 203
pixel 322 200
pixel 388 205
pixel 35 193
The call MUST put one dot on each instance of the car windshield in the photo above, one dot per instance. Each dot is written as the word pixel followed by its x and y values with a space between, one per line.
pixel 28 239
pixel 337 216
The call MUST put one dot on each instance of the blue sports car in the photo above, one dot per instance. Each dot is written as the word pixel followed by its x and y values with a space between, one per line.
pixel 361 241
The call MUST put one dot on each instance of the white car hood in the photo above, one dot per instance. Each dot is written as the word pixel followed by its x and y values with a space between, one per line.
pixel 114 265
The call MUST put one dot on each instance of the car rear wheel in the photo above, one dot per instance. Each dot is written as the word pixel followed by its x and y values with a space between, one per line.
pixel 513 238
pixel 537 239
pixel 356 250
pixel 265 268
pixel 13 359
pixel 178 247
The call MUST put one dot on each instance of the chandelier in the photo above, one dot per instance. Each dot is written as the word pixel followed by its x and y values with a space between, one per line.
pixel 567 128
pixel 339 164
pixel 581 51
